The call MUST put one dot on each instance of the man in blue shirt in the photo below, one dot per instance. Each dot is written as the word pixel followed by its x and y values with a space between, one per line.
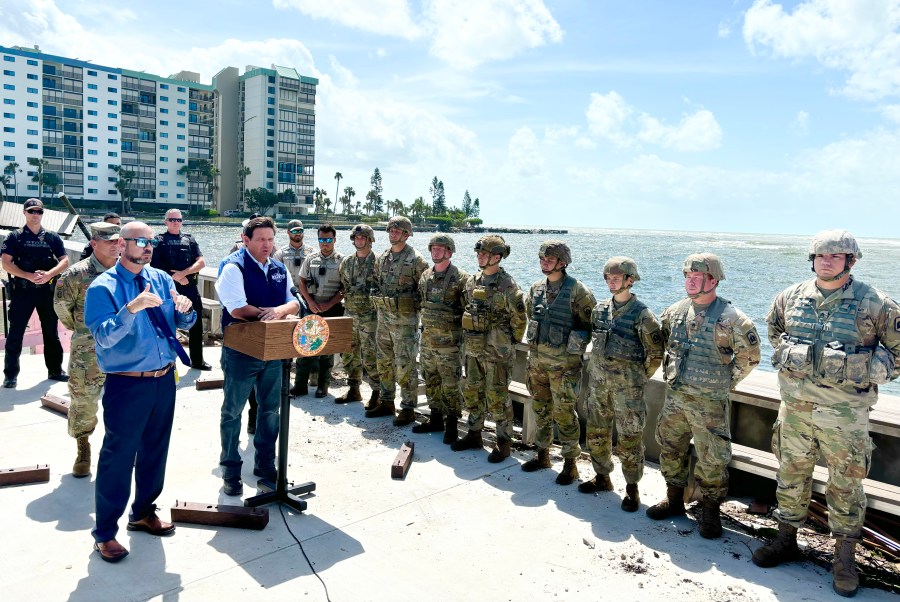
pixel 132 311
pixel 252 286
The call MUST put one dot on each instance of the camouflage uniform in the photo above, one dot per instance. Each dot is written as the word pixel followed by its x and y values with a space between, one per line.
pixel 85 378
pixel 397 300
pixel 357 279
pixel 558 331
pixel 626 351
pixel 493 322
pixel 709 350
pixel 442 309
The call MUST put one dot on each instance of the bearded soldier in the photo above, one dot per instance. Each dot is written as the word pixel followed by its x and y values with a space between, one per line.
pixel 836 339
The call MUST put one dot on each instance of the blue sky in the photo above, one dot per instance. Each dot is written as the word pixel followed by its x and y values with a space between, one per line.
pixel 748 116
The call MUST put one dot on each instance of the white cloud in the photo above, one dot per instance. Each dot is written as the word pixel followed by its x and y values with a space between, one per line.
pixel 892 113
pixel 697 132
pixel 861 37
pixel 524 154
pixel 384 17
pixel 343 75
pixel 800 124
pixel 606 116
pixel 724 29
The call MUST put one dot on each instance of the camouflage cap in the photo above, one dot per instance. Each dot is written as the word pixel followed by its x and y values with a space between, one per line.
pixel 834 241
pixel 442 240
pixel 400 222
pixel 364 230
pixel 105 231
pixel 493 244
pixel 621 265
pixel 558 249
pixel 707 263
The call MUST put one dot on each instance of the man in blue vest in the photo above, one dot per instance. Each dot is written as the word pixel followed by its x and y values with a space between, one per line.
pixel 252 286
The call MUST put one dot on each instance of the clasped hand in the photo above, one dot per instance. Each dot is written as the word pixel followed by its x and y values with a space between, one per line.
pixel 147 298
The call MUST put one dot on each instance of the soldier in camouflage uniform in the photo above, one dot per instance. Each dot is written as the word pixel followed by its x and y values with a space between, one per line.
pixel 627 350
pixel 835 339
pixel 85 379
pixel 441 290
pixel 710 346
pixel 559 311
pixel 397 274
pixel 493 322
pixel 357 274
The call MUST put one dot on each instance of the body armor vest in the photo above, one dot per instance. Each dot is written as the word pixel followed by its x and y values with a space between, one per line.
pixel 34 257
pixel 442 306
pixel 397 287
pixel 617 337
pixel 174 253
pixel 696 360
pixel 482 312
pixel 551 323
pixel 361 278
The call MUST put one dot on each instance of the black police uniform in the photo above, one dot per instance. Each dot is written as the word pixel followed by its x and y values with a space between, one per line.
pixel 177 252
pixel 32 252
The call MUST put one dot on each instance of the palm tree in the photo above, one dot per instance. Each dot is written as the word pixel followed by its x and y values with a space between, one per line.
pixel 327 202
pixel 350 193
pixel 337 176
pixel 242 174
pixel 38 177
pixel 318 195
pixel 4 181
pixel 358 203
pixel 123 185
pixel 11 168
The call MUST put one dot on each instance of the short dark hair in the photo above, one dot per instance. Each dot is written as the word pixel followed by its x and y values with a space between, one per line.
pixel 258 222
pixel 327 228
pixel 111 216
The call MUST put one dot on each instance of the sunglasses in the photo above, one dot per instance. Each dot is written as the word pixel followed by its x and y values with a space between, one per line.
pixel 143 242
pixel 174 219
pixel 326 241
pixel 35 211
pixel 296 230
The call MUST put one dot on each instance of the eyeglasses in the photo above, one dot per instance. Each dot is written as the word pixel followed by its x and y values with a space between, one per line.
pixel 326 241
pixel 35 211
pixel 174 219
pixel 296 230
pixel 142 242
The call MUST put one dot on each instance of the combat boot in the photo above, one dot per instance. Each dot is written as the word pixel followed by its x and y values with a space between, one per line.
pixel 846 578
pixel 435 423
pixel 539 461
pixel 404 417
pixel 673 505
pixel 782 549
pixel 300 387
pixel 710 520
pixel 373 399
pixel 314 378
pixel 601 482
pixel 451 428
pixel 82 466
pixel 352 394
pixel 382 409
pixel 500 452
pixel 472 440
pixel 569 472
pixel 632 499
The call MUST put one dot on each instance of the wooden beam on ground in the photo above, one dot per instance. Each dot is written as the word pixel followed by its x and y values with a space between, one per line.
pixel 403 461
pixel 39 473
pixel 220 515
pixel 56 403
pixel 207 383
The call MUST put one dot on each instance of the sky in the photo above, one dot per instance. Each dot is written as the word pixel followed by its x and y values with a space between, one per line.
pixel 744 116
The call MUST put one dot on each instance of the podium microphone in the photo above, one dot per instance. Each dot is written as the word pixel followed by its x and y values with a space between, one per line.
pixel 304 310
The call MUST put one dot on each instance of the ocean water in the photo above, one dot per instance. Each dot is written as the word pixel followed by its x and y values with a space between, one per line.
pixel 757 266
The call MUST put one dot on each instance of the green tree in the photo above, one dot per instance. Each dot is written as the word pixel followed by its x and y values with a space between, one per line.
pixel 242 174
pixel 349 193
pixel 375 181
pixel 4 181
pixel 123 186
pixel 51 181
pixel 12 168
pixel 337 176
pixel 467 204
pixel 260 200
pixel 476 208
pixel 40 165
pixel 289 197
pixel 371 200
pixel 438 198
pixel 418 209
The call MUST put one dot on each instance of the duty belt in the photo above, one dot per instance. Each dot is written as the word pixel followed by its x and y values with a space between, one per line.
pixel 151 374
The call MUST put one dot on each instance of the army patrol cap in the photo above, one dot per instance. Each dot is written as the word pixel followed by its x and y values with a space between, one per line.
pixel 442 240
pixel 294 223
pixel 105 231
pixel 620 264
pixel 401 222
pixel 364 230
pixel 707 263
pixel 558 249
pixel 493 244
pixel 831 242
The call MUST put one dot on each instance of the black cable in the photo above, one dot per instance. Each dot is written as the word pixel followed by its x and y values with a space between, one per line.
pixel 281 509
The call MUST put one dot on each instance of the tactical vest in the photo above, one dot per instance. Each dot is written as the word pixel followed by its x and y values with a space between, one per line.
pixel 31 258
pixel 393 294
pixel 825 344
pixel 618 338
pixel 263 289
pixel 482 312
pixel 323 287
pixel 441 307
pixel 174 253
pixel 696 360
pixel 358 288
pixel 551 323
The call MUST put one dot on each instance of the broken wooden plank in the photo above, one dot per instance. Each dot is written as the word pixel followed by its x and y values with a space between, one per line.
pixel 56 403
pixel 220 515
pixel 39 473
pixel 206 383
pixel 403 461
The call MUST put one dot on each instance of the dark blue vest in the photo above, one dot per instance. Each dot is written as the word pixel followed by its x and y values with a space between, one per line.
pixel 262 290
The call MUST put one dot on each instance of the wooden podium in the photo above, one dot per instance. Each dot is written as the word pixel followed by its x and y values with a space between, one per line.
pixel 285 340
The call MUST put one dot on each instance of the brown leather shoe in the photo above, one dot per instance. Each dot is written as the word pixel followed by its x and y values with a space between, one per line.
pixel 110 551
pixel 152 525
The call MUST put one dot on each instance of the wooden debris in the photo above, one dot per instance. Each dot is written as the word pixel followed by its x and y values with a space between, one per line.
pixel 206 383
pixel 56 403
pixel 220 515
pixel 39 473
pixel 403 461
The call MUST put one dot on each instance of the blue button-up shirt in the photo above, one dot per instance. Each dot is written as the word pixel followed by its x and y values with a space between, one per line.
pixel 127 342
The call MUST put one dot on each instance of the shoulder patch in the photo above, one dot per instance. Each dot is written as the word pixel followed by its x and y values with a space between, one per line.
pixel 897 324
pixel 656 337
pixel 752 338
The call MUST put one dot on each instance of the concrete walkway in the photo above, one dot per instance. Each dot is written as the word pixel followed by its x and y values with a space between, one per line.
pixel 457 528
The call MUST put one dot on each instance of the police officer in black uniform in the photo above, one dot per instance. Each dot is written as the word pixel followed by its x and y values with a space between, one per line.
pixel 33 257
pixel 179 254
